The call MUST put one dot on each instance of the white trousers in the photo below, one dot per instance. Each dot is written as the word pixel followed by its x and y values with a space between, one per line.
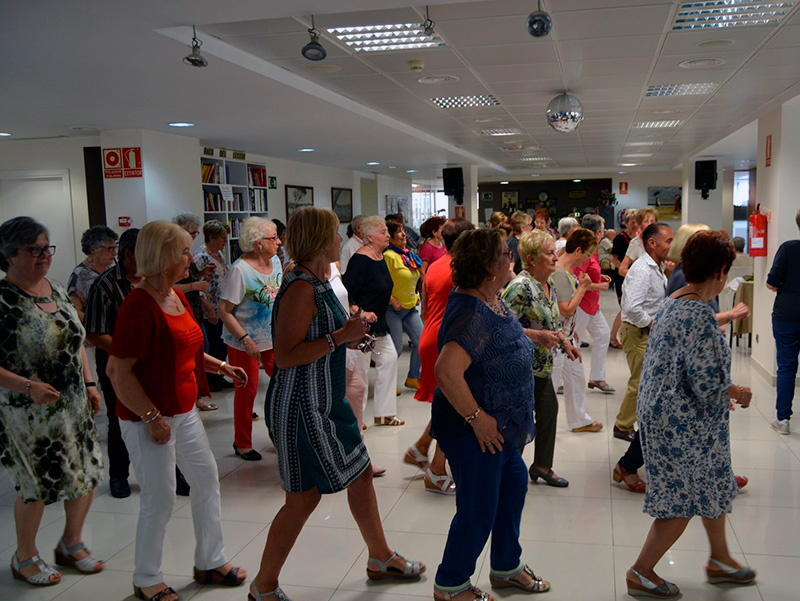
pixel 154 466
pixel 601 335
pixel 385 358
pixel 574 382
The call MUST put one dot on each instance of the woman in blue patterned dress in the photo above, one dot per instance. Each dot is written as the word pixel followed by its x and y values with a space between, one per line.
pixel 482 414
pixel 315 432
pixel 684 401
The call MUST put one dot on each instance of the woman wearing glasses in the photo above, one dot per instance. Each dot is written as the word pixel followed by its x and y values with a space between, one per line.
pixel 48 439
pixel 245 307
pixel 99 244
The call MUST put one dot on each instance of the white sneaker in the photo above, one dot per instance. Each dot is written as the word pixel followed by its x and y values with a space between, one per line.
pixel 781 426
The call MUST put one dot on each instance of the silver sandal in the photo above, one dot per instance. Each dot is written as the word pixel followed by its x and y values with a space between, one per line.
pixel 536 585
pixel 413 569
pixel 42 578
pixel 254 595
pixel 479 594
pixel 88 565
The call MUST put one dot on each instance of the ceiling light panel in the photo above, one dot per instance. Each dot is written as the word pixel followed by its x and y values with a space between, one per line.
pixel 532 159
pixel 502 132
pixel 653 143
pixel 385 38
pixel 658 124
pixel 681 89
pixel 460 102
pixel 729 13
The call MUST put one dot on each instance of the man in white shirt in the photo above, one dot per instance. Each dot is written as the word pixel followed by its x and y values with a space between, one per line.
pixel 353 243
pixel 642 295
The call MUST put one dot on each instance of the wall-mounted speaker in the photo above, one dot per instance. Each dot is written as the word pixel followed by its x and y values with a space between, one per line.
pixel 454 183
pixel 705 176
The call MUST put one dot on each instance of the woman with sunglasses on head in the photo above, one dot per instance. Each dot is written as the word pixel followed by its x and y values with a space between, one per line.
pixel 48 440
pixel 246 300
pixel 99 244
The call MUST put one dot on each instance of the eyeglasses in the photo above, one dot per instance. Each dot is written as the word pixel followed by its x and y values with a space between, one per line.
pixel 272 238
pixel 111 249
pixel 36 251
pixel 194 234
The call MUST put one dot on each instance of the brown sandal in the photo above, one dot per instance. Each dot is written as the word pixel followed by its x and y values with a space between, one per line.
pixel 391 420
pixel 232 578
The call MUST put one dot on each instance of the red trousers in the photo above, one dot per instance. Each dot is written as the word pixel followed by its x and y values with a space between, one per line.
pixel 244 396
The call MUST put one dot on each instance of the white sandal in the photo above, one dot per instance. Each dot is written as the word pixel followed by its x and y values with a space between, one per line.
pixel 416 458
pixel 442 485
pixel 42 578
pixel 65 558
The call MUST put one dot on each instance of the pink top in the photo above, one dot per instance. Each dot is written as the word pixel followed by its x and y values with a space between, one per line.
pixel 591 299
pixel 430 254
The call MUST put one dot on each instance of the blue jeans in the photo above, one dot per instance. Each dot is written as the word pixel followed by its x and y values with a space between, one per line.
pixel 787 346
pixel 490 495
pixel 408 321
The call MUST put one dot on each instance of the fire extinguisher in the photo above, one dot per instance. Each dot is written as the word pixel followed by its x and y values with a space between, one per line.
pixel 757 233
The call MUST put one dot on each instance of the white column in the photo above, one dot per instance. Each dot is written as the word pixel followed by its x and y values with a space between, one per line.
pixel 776 191
pixel 470 195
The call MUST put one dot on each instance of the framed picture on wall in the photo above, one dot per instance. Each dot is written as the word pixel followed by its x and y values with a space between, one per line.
pixel 298 196
pixel 510 200
pixel 342 203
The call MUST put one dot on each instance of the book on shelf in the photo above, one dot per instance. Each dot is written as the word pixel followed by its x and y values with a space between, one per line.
pixel 258 201
pixel 256 176
pixel 213 201
pixel 210 173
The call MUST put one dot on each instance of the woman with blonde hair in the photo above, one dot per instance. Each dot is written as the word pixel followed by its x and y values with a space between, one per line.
pixel 316 434
pixel 245 307
pixel 157 367
pixel 644 217
pixel 531 297
pixel 520 223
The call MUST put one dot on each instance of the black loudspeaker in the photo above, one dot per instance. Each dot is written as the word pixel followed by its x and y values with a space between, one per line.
pixel 705 176
pixel 454 183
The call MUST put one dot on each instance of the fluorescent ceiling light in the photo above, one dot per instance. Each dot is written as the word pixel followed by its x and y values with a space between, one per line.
pixel 653 143
pixel 681 89
pixel 503 183
pixel 373 163
pixel 627 164
pixel 4 134
pixel 622 172
pixel 729 13
pixel 502 132
pixel 384 38
pixel 460 102
pixel 411 170
pixel 181 124
pixel 305 150
pixel 658 124
pixel 577 181
pixel 534 158
pixel 636 155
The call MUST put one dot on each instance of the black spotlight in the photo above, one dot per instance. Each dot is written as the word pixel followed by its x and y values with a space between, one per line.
pixel 195 59
pixel 539 23
pixel 314 51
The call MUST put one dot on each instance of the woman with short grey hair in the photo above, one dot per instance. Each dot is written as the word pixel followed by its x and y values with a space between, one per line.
pixel 99 244
pixel 246 300
pixel 566 225
pixel 188 221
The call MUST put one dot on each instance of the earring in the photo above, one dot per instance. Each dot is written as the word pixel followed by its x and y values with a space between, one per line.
pixel 494 277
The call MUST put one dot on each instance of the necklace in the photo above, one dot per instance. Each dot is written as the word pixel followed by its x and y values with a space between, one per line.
pixel 374 254
pixel 493 303
pixel 36 295
pixel 319 279
pixel 167 297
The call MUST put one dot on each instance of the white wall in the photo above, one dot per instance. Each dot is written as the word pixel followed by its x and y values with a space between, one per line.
pixel 394 186
pixel 56 153
pixel 171 166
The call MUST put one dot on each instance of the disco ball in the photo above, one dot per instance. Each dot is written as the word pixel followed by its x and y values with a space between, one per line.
pixel 564 113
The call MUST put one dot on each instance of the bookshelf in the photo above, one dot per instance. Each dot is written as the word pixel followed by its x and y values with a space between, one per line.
pixel 233 190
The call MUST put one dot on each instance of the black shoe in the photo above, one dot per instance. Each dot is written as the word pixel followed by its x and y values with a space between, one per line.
pixel 584 345
pixel 255 416
pixel 251 455
pixel 119 488
pixel 219 386
pixel 182 487
pixel 626 435
pixel 549 477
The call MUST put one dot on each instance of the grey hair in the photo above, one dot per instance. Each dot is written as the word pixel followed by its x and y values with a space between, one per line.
pixel 214 228
pixel 593 223
pixel 187 218
pixel 16 232
pixel 566 224
pixel 738 243
pixel 252 230
pixel 95 236
pixel 370 225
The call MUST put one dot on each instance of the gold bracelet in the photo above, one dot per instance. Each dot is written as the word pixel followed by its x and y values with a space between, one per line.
pixel 469 419
pixel 148 414
pixel 221 366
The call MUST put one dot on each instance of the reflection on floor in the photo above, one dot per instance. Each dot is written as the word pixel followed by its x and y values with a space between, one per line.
pixel 581 538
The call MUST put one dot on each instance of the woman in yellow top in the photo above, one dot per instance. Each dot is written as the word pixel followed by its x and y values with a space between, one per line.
pixel 402 314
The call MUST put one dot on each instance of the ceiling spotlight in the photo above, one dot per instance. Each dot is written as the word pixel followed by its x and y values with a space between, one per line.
pixel 428 25
pixel 195 59
pixel 539 23
pixel 314 51
pixel 564 113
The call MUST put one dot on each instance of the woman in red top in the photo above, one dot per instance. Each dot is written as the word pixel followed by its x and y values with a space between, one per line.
pixel 433 248
pixel 156 365
pixel 438 284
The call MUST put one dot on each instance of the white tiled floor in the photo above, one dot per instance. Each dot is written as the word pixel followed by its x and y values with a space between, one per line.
pixel 581 538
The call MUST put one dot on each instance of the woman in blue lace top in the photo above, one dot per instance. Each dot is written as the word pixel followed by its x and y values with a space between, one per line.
pixel 482 414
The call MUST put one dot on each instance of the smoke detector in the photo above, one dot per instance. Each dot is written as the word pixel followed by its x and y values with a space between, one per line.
pixel 416 65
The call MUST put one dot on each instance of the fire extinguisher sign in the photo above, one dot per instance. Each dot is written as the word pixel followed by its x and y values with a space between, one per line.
pixel 122 162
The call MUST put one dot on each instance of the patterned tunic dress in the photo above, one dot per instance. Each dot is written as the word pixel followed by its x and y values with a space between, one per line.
pixel 50 451
pixel 310 422
pixel 683 413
